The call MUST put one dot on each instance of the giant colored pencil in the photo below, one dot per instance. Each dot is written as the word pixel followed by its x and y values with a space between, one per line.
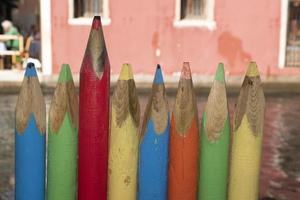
pixel 215 139
pixel 30 139
pixel 62 139
pixel 154 146
pixel 247 138
pixel 93 117
pixel 124 138
pixel 184 141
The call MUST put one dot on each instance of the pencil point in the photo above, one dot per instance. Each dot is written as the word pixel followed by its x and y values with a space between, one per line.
pixel 96 22
pixel 158 78
pixel 126 72
pixel 186 71
pixel 65 74
pixel 220 73
pixel 30 70
pixel 252 70
pixel 96 50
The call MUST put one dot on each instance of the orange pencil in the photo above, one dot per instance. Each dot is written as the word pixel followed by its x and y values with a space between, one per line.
pixel 184 141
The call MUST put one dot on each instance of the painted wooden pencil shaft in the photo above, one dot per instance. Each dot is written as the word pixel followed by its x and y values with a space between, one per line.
pixel 153 159
pixel 124 139
pixel 184 142
pixel 30 139
pixel 94 117
pixel 215 139
pixel 62 140
pixel 247 138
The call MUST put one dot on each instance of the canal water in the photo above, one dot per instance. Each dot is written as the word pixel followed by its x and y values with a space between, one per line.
pixel 280 173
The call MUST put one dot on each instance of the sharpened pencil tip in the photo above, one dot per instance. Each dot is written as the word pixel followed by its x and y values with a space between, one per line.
pixel 252 70
pixel 186 71
pixel 126 72
pixel 158 78
pixel 30 70
pixel 96 22
pixel 96 52
pixel 220 73
pixel 65 74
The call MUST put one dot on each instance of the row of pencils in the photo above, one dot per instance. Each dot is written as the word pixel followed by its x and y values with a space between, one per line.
pixel 100 149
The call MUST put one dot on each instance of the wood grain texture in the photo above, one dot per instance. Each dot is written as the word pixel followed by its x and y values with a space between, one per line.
pixel 215 140
pixel 125 101
pixel 251 103
pixel 184 142
pixel 157 110
pixel 30 101
pixel 216 111
pixel 30 139
pixel 153 157
pixel 124 139
pixel 65 100
pixel 93 119
pixel 62 140
pixel 96 49
pixel 184 111
pixel 247 138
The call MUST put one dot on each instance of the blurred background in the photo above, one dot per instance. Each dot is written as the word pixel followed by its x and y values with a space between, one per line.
pixel 169 32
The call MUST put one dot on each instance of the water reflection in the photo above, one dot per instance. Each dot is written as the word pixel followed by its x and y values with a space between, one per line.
pixel 280 174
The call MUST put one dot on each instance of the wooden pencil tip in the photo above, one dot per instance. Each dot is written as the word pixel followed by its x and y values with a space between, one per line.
pixel 96 51
pixel 220 73
pixel 252 70
pixel 186 71
pixel 65 74
pixel 96 22
pixel 126 72
pixel 158 78
pixel 30 70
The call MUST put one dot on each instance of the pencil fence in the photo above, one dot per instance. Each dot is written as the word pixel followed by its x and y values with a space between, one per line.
pixel 170 155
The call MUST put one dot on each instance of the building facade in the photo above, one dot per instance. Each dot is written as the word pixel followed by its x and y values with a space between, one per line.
pixel 169 32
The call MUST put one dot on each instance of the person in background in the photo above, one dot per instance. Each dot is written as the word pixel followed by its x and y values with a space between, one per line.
pixel 32 47
pixel 9 29
pixel 35 42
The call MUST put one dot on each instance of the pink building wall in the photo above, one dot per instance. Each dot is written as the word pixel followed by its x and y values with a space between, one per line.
pixel 245 30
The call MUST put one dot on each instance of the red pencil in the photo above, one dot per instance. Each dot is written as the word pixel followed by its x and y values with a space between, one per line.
pixel 93 117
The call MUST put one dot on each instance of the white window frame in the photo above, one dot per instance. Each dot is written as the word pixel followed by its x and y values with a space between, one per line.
pixel 207 21
pixel 88 20
pixel 46 41
pixel 283 32
pixel 46 47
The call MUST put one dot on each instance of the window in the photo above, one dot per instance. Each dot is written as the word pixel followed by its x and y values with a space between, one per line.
pixel 191 9
pixel 195 13
pixel 87 8
pixel 81 12
pixel 293 34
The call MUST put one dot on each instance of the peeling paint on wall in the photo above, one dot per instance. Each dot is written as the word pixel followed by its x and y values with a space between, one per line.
pixel 231 48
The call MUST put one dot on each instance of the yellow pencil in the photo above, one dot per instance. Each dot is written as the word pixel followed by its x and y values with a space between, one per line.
pixel 247 138
pixel 124 139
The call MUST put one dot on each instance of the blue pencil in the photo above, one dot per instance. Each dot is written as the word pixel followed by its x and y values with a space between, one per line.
pixel 30 139
pixel 154 145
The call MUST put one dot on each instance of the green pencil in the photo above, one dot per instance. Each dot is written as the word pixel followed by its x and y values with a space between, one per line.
pixel 215 139
pixel 62 139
